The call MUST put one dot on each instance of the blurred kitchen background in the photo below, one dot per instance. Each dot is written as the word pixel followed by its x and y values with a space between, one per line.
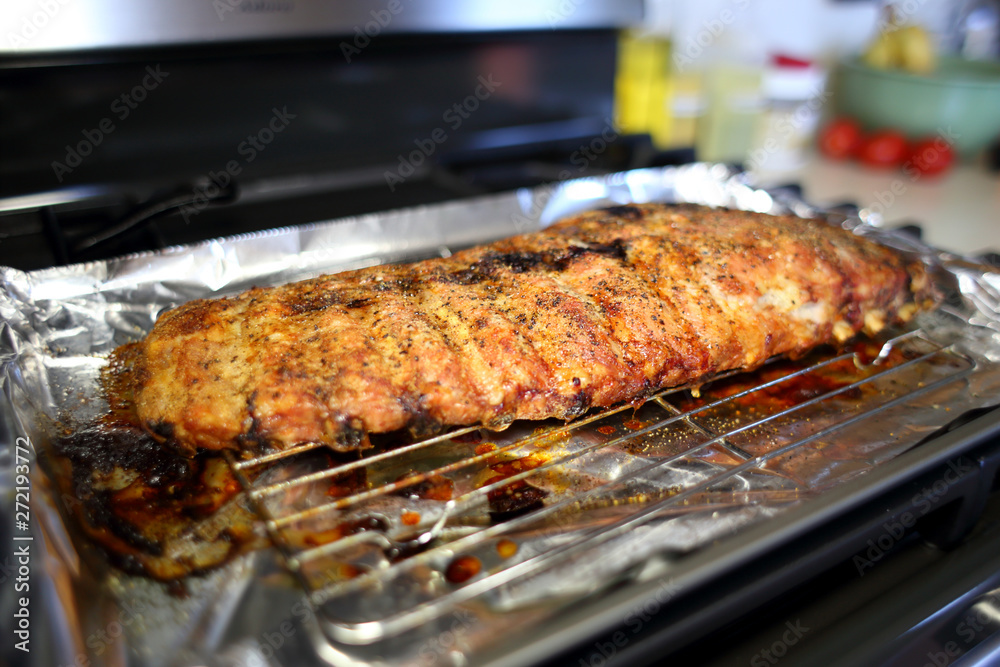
pixel 135 125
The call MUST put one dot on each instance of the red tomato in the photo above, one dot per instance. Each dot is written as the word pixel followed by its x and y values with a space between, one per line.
pixel 931 156
pixel 883 149
pixel 840 139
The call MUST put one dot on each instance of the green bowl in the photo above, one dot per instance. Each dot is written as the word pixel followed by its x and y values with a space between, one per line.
pixel 960 101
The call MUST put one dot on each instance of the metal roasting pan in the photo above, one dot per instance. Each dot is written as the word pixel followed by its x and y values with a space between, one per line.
pixel 647 529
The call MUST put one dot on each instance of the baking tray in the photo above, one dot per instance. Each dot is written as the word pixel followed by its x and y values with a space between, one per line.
pixel 659 499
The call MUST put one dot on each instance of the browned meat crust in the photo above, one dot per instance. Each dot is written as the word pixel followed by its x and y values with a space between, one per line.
pixel 602 308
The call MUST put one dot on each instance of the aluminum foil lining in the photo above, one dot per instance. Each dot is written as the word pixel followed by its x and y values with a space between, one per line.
pixel 645 499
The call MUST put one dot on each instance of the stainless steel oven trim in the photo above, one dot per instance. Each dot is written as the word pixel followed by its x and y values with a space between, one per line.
pixel 29 29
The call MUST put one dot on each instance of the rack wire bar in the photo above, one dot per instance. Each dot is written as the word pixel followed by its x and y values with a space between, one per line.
pixel 400 620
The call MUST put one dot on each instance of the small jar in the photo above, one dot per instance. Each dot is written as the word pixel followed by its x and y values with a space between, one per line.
pixel 794 93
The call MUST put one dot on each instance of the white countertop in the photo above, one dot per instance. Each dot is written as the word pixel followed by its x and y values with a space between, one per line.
pixel 958 211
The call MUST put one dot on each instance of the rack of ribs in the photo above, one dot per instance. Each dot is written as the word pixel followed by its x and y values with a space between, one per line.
pixel 602 308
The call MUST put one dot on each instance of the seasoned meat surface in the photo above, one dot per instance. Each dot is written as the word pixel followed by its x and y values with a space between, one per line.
pixel 602 308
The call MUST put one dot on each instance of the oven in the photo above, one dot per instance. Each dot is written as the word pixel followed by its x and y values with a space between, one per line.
pixel 836 509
